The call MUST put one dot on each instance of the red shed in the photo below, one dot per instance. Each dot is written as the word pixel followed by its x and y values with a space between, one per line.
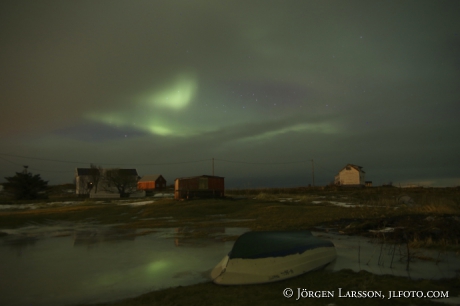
pixel 204 186
pixel 151 182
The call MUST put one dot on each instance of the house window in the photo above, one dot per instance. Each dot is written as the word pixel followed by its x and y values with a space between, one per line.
pixel 348 168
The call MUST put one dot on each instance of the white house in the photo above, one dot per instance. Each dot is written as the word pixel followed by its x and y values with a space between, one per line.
pixel 84 180
pixel 350 175
pixel 105 183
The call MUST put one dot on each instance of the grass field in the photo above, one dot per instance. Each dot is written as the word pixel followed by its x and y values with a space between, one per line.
pixel 430 219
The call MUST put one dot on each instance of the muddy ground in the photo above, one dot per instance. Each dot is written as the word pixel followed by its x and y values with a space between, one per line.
pixel 418 230
pixel 430 219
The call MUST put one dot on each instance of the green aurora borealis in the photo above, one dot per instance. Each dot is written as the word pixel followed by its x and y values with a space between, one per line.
pixel 133 84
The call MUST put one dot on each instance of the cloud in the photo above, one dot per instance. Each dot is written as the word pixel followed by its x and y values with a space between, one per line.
pixel 98 132
pixel 370 83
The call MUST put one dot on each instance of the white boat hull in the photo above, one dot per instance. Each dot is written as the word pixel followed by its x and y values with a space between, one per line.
pixel 240 271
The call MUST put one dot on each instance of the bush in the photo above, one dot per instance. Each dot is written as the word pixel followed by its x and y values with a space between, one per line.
pixel 25 186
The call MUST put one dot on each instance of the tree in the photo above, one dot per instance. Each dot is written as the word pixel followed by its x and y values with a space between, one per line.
pixel 122 179
pixel 85 185
pixel 95 174
pixel 25 186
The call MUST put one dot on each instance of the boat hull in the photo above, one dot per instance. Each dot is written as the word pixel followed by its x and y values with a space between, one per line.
pixel 239 271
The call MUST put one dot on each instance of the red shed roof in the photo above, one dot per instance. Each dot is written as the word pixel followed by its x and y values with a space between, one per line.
pixel 150 178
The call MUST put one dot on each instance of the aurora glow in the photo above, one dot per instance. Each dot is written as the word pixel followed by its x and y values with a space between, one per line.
pixel 158 266
pixel 176 97
pixel 322 128
pixel 156 107
pixel 136 84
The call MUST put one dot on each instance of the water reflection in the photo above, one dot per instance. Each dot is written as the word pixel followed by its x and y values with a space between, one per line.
pixel 359 253
pixel 65 263
pixel 54 269
pixel 197 237
pixel 21 243
pixel 93 237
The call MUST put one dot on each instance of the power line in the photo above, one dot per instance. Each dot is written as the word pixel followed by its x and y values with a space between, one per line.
pixel 44 159
pixel 108 164
pixel 10 161
pixel 156 164
pixel 152 164
pixel 36 169
pixel 163 164
pixel 329 170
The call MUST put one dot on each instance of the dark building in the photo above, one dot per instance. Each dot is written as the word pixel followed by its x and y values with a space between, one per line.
pixel 204 186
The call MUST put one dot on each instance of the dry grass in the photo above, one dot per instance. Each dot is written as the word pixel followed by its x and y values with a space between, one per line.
pixel 267 213
pixel 437 206
pixel 263 196
pixel 266 210
pixel 271 293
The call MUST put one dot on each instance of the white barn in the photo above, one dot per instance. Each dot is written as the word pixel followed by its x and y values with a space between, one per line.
pixel 86 185
pixel 350 175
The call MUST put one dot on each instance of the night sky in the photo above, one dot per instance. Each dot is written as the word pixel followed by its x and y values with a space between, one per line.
pixel 263 87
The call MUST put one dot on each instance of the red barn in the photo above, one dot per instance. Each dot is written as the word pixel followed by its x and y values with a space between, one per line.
pixel 204 186
pixel 151 182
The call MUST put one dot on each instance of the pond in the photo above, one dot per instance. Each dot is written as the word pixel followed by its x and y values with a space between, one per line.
pixel 66 264
pixel 70 263
pixel 372 255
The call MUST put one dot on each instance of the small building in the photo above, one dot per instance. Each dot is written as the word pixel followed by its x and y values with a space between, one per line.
pixel 350 175
pixel 368 183
pixel 204 186
pixel 151 183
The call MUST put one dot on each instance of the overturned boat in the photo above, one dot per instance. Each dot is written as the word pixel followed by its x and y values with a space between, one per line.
pixel 262 257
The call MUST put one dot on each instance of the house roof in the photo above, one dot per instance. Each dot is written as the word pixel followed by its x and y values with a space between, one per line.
pixel 149 178
pixel 86 171
pixel 359 168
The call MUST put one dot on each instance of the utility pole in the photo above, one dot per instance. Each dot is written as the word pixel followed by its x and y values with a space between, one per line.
pixel 25 169
pixel 213 166
pixel 313 172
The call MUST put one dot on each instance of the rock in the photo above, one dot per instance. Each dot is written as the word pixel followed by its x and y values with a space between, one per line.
pixel 405 199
